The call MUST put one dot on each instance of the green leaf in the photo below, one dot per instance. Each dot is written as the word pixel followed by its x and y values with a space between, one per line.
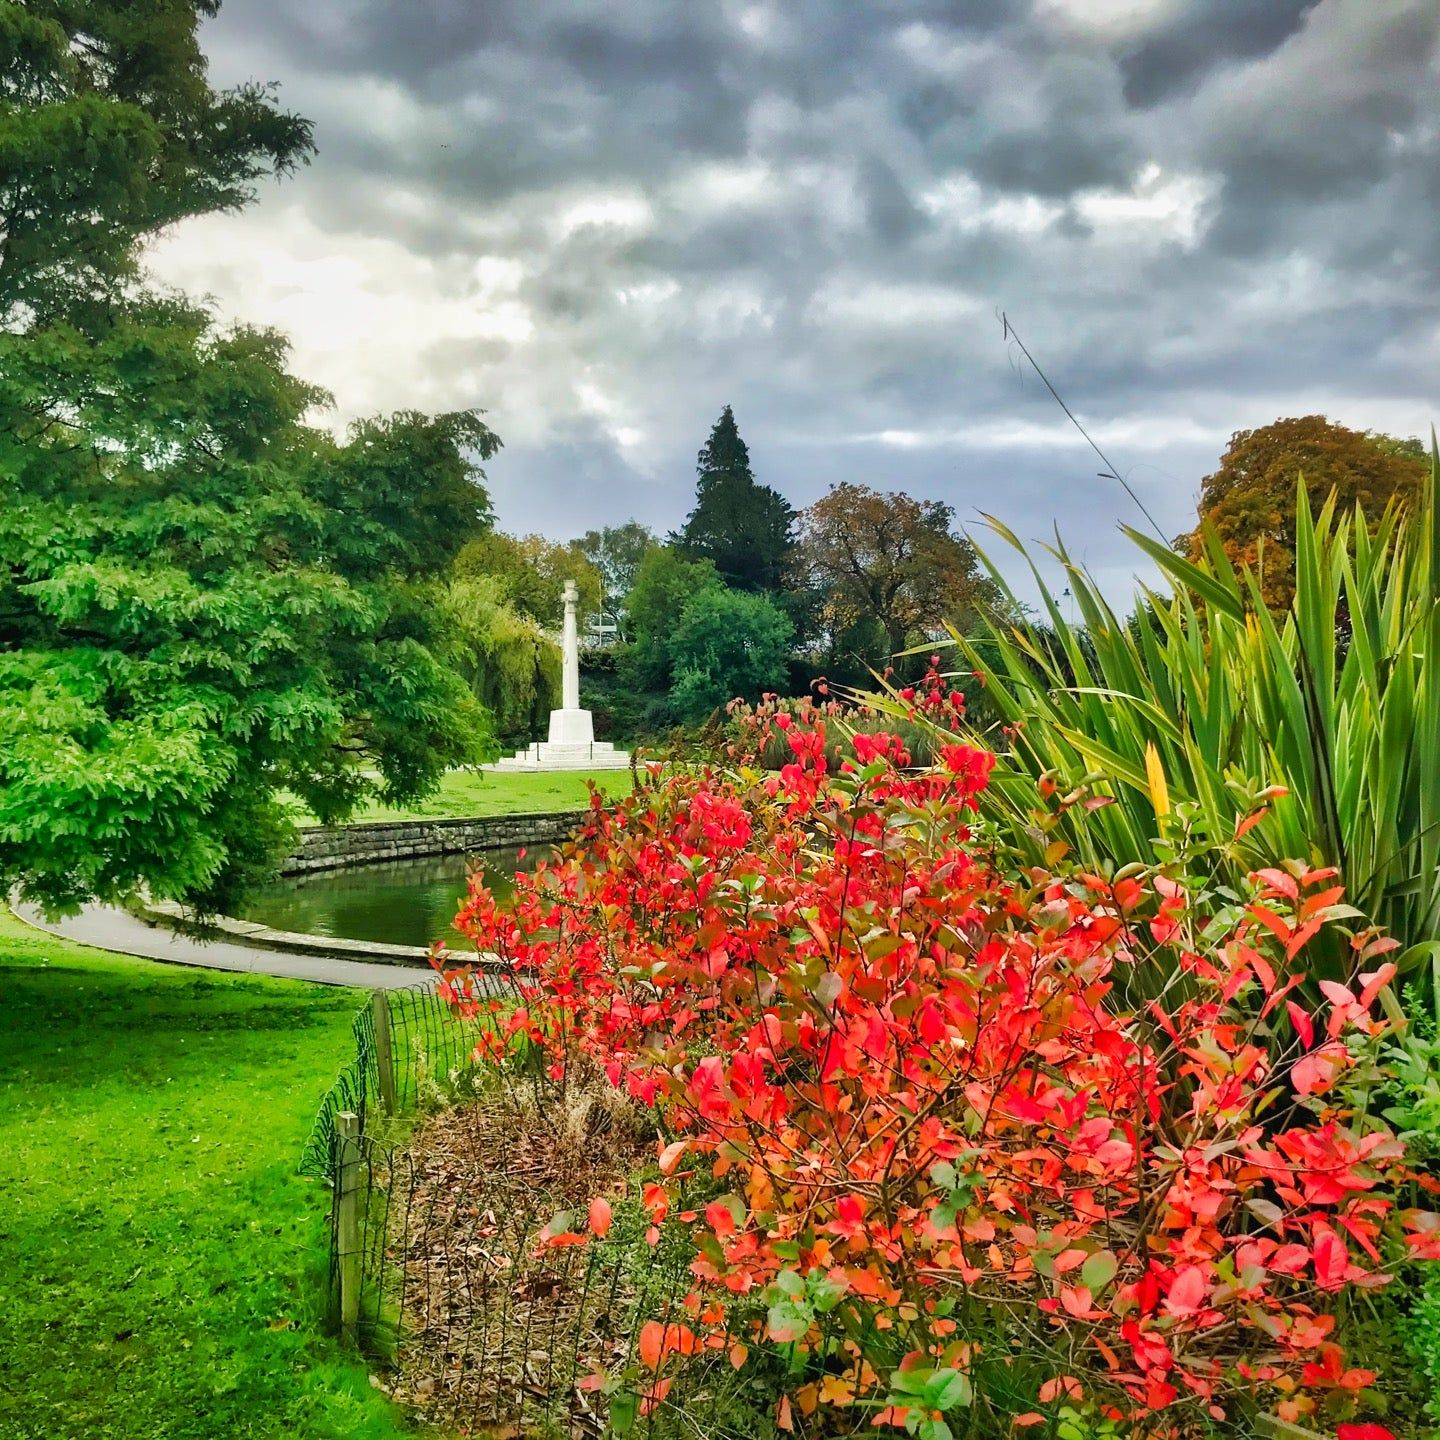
pixel 948 1390
pixel 789 1283
pixel 943 1175
pixel 1098 1271
pixel 624 1410
pixel 790 1321
pixel 909 1382
pixel 825 1293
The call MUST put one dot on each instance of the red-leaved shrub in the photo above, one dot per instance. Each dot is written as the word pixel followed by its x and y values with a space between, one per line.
pixel 920 1142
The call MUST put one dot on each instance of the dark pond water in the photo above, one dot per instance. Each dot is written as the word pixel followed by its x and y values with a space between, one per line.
pixel 407 902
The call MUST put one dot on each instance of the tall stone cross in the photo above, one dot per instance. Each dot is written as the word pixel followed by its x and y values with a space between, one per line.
pixel 570 725
pixel 570 650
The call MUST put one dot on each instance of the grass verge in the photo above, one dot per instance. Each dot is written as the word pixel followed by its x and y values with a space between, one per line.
pixel 464 794
pixel 161 1263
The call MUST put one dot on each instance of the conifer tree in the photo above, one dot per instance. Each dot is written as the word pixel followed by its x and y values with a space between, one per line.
pixel 742 527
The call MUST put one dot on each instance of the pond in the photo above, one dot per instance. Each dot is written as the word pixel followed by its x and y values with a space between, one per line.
pixel 403 902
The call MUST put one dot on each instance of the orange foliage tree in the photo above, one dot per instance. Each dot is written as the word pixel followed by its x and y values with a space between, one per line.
pixel 889 557
pixel 1250 500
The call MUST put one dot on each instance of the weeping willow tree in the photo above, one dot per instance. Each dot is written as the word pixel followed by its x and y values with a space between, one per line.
pixel 512 665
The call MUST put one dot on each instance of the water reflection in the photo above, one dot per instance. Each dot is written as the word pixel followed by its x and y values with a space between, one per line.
pixel 403 902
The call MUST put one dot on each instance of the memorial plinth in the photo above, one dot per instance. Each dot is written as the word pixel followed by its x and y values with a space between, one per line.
pixel 571 744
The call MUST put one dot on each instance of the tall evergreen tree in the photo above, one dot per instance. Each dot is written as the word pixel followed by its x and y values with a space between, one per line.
pixel 742 527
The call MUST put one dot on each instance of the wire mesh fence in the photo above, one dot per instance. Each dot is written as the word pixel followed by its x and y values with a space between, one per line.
pixel 444 1174
pixel 410 1050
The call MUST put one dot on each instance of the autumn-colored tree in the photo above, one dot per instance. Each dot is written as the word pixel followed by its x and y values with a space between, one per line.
pixel 890 559
pixel 1250 500
pixel 531 572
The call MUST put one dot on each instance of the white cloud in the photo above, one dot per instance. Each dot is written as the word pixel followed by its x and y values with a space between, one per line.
pixel 602 222
pixel 1148 434
pixel 615 416
pixel 962 203
pixel 361 311
pixel 940 52
pixel 649 294
pixel 717 188
pixel 1158 206
pixel 851 300
pixel 629 212
pixel 1112 19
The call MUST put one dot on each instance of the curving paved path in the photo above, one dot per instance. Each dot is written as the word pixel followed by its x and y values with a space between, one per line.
pixel 107 928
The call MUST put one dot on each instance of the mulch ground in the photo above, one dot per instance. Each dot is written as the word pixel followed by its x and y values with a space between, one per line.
pixel 496 1334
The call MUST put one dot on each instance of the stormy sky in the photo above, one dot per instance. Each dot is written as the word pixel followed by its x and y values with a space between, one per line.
pixel 603 220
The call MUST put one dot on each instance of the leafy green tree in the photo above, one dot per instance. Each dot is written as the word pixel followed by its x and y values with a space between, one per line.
pixel 616 552
pixel 531 572
pixel 664 584
pixel 204 602
pixel 742 527
pixel 109 131
pixel 726 644
pixel 1249 501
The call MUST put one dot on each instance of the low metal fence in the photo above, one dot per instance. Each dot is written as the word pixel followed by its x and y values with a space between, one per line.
pixel 437 1272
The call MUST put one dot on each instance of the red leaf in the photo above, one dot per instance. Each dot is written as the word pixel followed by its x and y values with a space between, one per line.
pixel 720 1218
pixel 1331 1260
pixel 565 1237
pixel 600 1217
pixel 1188 1292
pixel 1336 994
pixel 1304 1025
pixel 1280 881
pixel 1374 983
pixel 657 1341
pixel 1316 1071
pixel 1250 822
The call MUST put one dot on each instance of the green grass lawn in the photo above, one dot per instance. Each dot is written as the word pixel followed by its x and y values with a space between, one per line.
pixel 161 1263
pixel 466 793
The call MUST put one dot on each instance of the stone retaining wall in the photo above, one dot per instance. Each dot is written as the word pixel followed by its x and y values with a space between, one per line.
pixel 329 847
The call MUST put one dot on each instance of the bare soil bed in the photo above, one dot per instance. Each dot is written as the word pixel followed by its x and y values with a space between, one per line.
pixel 495 1331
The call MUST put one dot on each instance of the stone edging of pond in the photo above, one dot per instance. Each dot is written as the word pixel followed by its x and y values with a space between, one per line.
pixel 295 942
pixel 336 847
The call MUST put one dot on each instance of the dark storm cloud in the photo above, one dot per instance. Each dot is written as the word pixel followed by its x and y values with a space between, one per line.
pixel 1176 55
pixel 611 217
